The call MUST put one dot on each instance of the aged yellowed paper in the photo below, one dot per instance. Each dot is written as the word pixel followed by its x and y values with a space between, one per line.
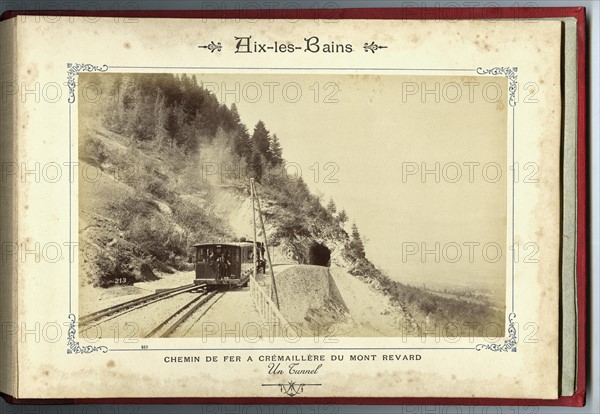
pixel 440 138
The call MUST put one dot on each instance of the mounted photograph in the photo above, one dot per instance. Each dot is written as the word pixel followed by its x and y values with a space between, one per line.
pixel 330 205
pixel 348 206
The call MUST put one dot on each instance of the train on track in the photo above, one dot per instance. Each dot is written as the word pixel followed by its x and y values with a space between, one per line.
pixel 227 264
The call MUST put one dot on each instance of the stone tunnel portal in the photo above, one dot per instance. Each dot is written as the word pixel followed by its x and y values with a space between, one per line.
pixel 319 255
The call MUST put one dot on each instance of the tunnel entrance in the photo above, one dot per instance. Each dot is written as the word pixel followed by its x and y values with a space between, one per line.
pixel 319 254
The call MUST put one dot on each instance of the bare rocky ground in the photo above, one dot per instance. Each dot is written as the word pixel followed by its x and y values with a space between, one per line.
pixel 371 311
pixel 357 310
pixel 365 312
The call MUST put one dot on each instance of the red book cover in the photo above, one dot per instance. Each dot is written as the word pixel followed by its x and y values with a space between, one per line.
pixel 253 250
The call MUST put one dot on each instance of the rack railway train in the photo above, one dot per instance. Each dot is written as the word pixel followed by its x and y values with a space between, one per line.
pixel 227 264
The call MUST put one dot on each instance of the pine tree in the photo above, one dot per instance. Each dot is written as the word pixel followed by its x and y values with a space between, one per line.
pixel 331 208
pixel 256 164
pixel 276 151
pixel 141 121
pixel 194 81
pixel 260 150
pixel 235 115
pixel 342 217
pixel 241 143
pixel 356 243
pixel 186 82
pixel 161 115
pixel 260 140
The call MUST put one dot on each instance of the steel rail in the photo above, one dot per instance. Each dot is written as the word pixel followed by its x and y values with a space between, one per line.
pixel 139 302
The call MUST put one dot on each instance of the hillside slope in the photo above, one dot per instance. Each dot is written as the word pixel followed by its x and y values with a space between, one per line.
pixel 164 166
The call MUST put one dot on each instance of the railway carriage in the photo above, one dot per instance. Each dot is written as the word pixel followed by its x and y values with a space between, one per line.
pixel 226 264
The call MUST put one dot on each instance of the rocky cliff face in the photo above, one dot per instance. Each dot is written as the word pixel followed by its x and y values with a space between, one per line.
pixel 148 207
pixel 290 245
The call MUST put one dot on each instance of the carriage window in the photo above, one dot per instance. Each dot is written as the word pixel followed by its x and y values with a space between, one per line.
pixel 237 255
pixel 212 254
pixel 201 256
pixel 250 255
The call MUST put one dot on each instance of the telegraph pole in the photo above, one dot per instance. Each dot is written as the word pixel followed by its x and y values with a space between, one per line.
pixel 262 225
pixel 253 228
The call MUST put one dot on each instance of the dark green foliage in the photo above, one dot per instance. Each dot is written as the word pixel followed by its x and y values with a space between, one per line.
pixel 162 236
pixel 356 245
pixel 342 217
pixel 166 109
pixel 299 217
pixel 260 139
pixel 331 208
pixel 155 222
pixel 241 143
pixel 202 225
pixel 158 188
pixel 115 269
pixel 147 273
pixel 93 151
pixel 260 157
pixel 169 123
pixel 275 151
pixel 175 111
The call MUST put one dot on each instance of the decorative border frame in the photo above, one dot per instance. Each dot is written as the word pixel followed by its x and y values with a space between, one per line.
pixel 73 72
pixel 73 347
pixel 578 399
pixel 510 343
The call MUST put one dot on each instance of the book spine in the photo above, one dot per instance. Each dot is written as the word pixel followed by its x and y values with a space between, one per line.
pixel 9 330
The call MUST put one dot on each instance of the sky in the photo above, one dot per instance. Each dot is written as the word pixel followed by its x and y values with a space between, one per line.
pixel 365 140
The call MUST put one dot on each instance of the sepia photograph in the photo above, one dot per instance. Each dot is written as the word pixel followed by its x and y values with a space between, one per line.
pixel 321 206
pixel 294 205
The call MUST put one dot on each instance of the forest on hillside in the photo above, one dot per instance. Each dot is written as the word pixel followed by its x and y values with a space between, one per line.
pixel 174 110
pixel 172 127
pixel 167 126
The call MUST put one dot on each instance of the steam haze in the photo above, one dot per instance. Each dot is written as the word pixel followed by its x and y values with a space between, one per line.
pixel 363 130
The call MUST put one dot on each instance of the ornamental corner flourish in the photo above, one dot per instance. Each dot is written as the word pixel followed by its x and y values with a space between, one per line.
pixel 510 344
pixel 511 74
pixel 73 70
pixel 73 347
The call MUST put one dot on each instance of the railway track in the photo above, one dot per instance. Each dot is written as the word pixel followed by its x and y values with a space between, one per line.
pixel 169 325
pixel 114 311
